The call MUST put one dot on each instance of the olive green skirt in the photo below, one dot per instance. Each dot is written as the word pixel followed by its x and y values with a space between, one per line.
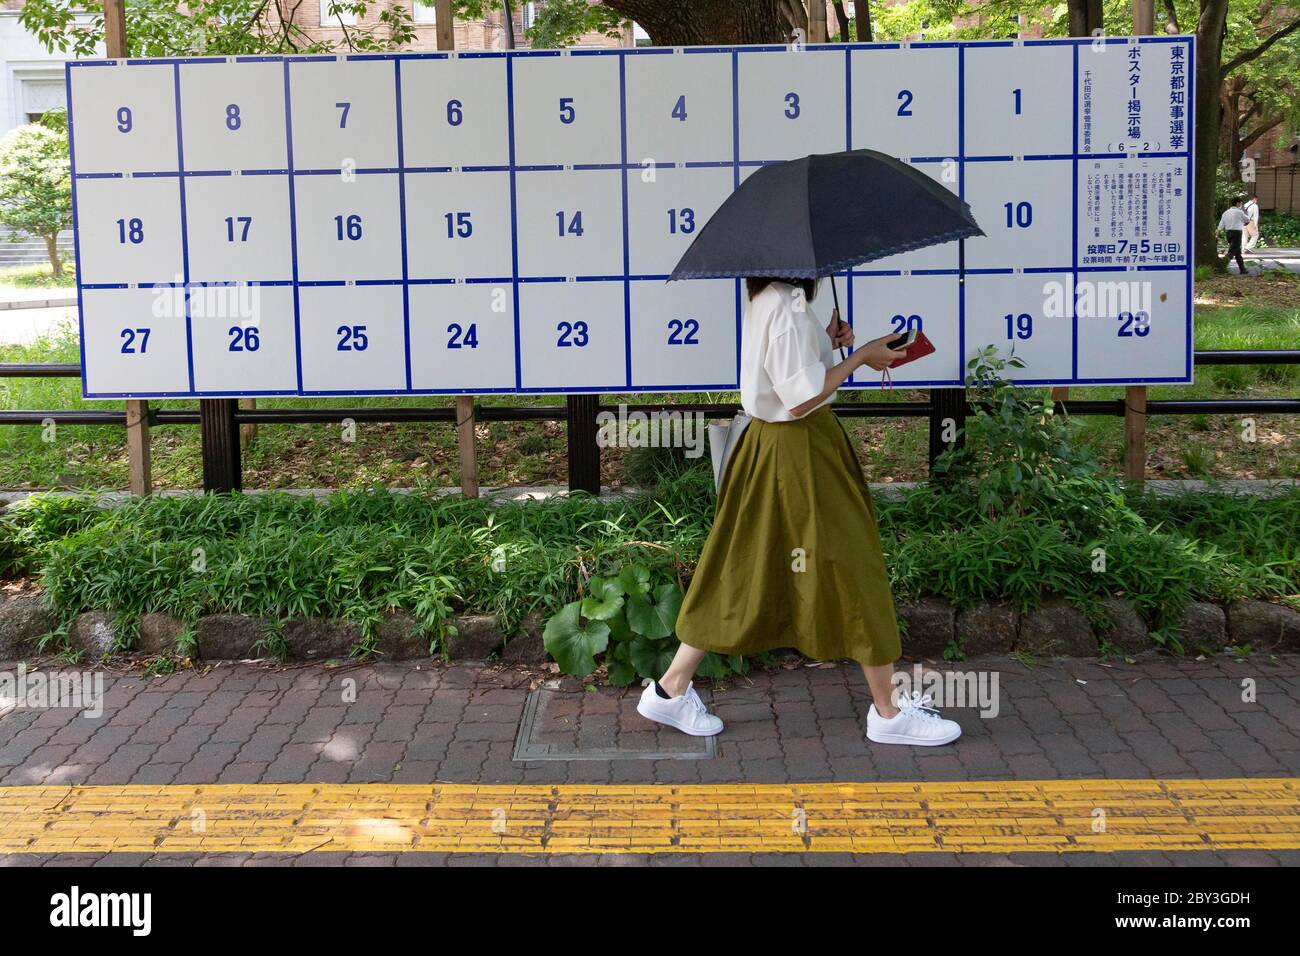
pixel 793 558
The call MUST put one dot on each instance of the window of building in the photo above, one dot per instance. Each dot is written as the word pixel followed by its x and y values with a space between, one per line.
pixel 528 14
pixel 425 12
pixel 332 19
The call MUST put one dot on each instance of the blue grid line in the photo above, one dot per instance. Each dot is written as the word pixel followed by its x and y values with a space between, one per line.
pixel 185 242
pixel 401 212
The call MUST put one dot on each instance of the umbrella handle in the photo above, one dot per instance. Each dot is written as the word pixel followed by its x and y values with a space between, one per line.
pixel 835 295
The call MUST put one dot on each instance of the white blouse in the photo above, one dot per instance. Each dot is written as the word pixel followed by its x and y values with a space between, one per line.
pixel 784 354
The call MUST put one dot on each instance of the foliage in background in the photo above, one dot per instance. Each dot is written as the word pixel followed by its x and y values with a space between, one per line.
pixel 1280 229
pixel 1021 458
pixel 211 27
pixel 35 183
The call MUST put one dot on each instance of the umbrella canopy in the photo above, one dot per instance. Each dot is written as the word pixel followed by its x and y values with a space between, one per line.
pixel 810 217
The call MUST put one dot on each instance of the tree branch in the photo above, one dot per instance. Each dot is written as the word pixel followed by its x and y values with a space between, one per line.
pixel 1247 56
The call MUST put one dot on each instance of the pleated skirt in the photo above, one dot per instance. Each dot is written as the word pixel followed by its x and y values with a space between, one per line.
pixel 793 558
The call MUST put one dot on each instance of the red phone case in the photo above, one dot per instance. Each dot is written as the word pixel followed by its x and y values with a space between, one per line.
pixel 922 346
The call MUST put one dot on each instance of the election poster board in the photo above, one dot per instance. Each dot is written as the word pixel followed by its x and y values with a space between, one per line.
pixel 493 222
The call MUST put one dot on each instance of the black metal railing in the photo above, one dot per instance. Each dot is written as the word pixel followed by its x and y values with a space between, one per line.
pixel 220 418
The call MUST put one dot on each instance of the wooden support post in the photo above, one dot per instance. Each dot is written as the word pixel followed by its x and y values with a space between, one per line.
pixel 466 442
pixel 1135 432
pixel 1135 396
pixel 248 430
pixel 137 413
pixel 817 21
pixel 584 452
pixel 137 448
pixel 444 26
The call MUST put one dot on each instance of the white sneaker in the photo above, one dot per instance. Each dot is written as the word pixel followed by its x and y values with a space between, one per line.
pixel 687 713
pixel 916 723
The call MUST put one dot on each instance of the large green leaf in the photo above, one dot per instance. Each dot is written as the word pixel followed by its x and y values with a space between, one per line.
pixel 618 664
pixel 604 599
pixel 655 616
pixel 651 658
pixel 713 667
pixel 573 644
pixel 635 579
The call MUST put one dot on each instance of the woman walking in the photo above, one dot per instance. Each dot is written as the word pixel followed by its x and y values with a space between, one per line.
pixel 793 558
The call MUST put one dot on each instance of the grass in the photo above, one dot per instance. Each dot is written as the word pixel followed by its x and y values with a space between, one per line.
pixel 1232 313
pixel 37 277
pixel 362 552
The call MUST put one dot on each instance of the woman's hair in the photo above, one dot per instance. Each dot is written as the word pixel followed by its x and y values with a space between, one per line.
pixel 756 284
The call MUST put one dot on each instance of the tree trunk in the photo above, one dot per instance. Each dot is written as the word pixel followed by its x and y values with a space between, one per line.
pixel 862 14
pixel 52 247
pixel 842 20
pixel 1210 28
pixel 1085 17
pixel 695 22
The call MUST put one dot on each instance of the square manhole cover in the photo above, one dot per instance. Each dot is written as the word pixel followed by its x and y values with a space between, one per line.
pixel 601 725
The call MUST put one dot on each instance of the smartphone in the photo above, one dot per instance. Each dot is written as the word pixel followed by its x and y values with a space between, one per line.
pixel 903 341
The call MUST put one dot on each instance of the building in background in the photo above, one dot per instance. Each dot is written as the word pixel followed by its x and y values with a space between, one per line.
pixel 31 78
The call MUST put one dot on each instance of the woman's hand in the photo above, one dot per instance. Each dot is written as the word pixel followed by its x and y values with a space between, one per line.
pixel 879 355
pixel 841 333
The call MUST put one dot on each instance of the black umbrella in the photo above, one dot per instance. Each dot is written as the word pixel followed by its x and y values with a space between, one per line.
pixel 810 217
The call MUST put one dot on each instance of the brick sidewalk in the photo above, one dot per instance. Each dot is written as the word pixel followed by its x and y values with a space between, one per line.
pixel 1061 719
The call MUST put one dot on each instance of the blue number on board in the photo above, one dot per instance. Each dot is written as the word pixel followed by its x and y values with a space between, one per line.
pixel 1016 94
pixel 792 108
pixel 1134 323
pixel 124 122
pixel 244 340
pixel 455 113
pixel 681 220
pixel 1019 214
pixel 352 338
pixel 230 227
pixel 466 338
pixel 349 228
pixel 1019 326
pixel 128 341
pixel 572 334
pixel 343 118
pixel 130 230
pixel 232 117
pixel 904 102
pixel 679 110
pixel 676 328
pixel 574 228
pixel 567 113
pixel 458 224
pixel 906 323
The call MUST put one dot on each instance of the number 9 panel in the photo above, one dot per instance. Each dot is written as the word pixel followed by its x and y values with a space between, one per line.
pixel 124 118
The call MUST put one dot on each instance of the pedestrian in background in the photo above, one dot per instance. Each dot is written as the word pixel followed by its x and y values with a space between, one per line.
pixel 1252 228
pixel 1231 224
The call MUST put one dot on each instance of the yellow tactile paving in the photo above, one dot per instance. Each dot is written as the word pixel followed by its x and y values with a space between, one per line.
pixel 965 817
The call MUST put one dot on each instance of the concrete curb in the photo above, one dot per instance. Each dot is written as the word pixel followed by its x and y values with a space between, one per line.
pixel 933 627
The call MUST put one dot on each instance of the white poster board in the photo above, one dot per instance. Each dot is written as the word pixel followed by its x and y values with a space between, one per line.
pixel 503 222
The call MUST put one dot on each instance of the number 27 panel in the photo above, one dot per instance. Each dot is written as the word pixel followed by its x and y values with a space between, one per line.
pixel 488 222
